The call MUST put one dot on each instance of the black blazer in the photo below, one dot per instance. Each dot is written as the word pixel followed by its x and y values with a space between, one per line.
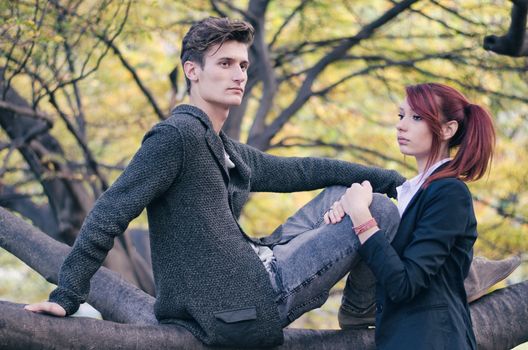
pixel 421 300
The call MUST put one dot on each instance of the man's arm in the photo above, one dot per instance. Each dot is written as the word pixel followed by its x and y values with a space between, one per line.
pixel 149 174
pixel 290 174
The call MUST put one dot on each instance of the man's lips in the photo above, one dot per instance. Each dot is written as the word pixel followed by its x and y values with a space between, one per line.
pixel 237 89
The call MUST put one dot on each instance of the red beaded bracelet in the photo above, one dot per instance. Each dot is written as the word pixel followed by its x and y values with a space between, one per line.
pixel 365 226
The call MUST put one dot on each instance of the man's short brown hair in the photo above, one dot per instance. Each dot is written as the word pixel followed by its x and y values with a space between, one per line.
pixel 209 32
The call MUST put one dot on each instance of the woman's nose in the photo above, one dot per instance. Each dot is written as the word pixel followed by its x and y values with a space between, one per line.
pixel 401 124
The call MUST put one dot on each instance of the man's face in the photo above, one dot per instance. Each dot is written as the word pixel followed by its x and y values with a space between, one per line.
pixel 222 79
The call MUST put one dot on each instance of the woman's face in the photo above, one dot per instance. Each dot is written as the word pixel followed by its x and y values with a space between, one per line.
pixel 414 136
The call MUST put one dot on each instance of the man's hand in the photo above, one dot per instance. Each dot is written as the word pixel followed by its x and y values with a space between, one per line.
pixel 47 307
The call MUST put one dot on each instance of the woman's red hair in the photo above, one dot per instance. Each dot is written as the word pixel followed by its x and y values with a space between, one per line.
pixel 475 137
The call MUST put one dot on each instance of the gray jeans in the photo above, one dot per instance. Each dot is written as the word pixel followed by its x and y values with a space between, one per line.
pixel 312 256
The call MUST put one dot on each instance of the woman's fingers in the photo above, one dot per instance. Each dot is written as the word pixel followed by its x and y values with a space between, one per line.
pixel 335 214
pixel 338 209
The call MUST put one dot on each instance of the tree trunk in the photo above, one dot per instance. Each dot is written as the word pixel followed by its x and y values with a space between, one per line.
pixel 499 319
pixel 69 202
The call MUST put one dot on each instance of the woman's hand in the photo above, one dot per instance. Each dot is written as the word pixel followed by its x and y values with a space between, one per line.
pixel 357 200
pixel 335 214
pixel 47 307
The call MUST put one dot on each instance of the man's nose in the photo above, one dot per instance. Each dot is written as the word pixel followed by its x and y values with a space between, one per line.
pixel 239 75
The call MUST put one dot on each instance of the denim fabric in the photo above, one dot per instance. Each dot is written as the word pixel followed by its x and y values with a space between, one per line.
pixel 313 256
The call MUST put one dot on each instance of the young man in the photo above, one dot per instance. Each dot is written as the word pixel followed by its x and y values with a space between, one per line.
pixel 211 278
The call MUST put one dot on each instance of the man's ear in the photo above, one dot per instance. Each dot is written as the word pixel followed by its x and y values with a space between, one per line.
pixel 191 70
pixel 449 129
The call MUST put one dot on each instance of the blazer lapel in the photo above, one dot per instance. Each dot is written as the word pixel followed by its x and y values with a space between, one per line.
pixel 412 202
pixel 236 158
pixel 213 140
pixel 419 192
pixel 217 149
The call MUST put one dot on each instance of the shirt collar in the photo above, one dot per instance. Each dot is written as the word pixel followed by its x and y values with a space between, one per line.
pixel 410 187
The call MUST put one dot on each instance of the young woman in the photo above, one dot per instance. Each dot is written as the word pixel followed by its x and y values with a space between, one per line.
pixel 420 297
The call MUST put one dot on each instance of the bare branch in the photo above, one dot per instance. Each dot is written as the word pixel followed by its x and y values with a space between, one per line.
pixel 300 141
pixel 28 112
pixel 295 11
pixel 135 76
pixel 262 140
pixel 442 23
pixel 472 87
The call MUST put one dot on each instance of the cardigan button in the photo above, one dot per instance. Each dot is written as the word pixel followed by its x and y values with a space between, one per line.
pixel 379 307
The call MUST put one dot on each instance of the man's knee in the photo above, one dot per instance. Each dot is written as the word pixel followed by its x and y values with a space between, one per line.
pixel 386 214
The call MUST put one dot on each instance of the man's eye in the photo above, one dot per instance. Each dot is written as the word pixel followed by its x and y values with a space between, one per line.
pixel 224 64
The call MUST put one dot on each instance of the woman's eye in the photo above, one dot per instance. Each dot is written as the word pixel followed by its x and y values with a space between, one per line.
pixel 417 117
pixel 400 117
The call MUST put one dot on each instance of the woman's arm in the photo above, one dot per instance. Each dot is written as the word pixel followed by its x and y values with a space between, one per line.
pixel 445 218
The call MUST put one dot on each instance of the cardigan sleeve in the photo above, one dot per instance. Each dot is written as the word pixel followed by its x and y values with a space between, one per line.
pixel 290 174
pixel 445 218
pixel 151 171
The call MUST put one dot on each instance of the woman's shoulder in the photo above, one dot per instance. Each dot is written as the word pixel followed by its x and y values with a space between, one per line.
pixel 449 186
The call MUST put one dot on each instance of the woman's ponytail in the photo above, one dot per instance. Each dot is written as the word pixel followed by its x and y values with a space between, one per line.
pixel 475 136
pixel 475 144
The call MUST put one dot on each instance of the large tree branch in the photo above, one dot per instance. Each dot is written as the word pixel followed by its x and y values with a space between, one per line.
pixel 515 41
pixel 498 319
pixel 41 215
pixel 115 298
pixel 265 72
pixel 67 199
pixel 67 196
pixel 262 140
pixel 25 111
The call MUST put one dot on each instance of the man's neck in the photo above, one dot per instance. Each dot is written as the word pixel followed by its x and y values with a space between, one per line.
pixel 217 114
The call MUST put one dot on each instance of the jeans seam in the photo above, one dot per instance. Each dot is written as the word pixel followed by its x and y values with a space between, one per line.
pixel 303 305
pixel 307 281
pixel 318 222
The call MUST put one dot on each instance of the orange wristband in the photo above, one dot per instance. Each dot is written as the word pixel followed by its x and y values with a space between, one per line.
pixel 365 226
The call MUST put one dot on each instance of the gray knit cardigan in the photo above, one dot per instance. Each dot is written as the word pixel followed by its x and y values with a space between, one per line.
pixel 207 277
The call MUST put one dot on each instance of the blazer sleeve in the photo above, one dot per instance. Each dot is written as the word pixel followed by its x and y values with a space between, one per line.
pixel 149 174
pixel 445 218
pixel 290 174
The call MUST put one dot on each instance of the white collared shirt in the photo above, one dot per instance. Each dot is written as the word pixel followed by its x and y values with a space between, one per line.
pixel 264 253
pixel 409 188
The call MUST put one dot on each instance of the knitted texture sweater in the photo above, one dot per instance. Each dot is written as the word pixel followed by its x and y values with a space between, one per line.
pixel 207 277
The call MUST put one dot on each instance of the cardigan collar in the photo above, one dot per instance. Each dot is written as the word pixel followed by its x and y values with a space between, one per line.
pixel 195 112
pixel 218 143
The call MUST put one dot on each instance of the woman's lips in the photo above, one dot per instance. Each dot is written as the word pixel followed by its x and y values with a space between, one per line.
pixel 403 140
